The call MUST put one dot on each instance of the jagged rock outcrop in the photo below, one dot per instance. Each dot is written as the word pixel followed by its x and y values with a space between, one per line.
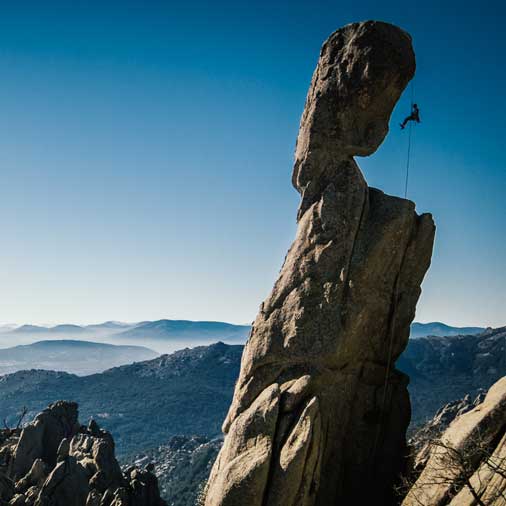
pixel 466 466
pixel 420 443
pixel 41 438
pixel 319 412
pixel 54 461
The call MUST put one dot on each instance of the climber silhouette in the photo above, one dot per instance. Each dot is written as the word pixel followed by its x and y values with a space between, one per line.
pixel 414 116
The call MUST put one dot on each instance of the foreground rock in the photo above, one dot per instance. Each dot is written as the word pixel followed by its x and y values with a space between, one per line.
pixel 182 466
pixel 54 461
pixel 466 466
pixel 319 413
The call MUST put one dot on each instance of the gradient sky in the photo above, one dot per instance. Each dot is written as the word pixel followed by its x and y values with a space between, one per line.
pixel 146 151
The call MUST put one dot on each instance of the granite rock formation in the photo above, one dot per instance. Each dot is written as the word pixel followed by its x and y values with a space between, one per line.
pixel 54 461
pixel 319 413
pixel 466 466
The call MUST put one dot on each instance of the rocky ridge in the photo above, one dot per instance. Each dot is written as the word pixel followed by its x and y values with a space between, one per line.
pixel 55 461
pixel 319 409
pixel 442 369
pixel 182 467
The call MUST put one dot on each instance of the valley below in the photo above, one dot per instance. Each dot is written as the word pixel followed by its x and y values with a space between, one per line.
pixel 168 409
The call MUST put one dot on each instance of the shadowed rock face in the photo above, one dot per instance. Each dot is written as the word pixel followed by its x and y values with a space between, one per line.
pixel 319 412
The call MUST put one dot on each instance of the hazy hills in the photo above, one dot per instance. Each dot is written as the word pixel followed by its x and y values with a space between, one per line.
pixel 162 335
pixel 184 329
pixel 166 329
pixel 78 357
pixel 441 329
pixel 444 369
pixel 143 404
pixel 166 336
pixel 188 392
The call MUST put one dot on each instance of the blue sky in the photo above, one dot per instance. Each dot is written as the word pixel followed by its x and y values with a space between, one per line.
pixel 146 151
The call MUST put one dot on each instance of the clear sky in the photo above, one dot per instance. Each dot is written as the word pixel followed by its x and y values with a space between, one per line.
pixel 146 151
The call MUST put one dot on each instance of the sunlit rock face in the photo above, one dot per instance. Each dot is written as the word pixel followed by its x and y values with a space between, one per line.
pixel 319 413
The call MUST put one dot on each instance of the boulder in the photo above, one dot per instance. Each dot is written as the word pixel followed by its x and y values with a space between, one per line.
pixel 96 454
pixel 66 464
pixel 67 485
pixel 469 460
pixel 41 438
pixel 319 413
pixel 35 477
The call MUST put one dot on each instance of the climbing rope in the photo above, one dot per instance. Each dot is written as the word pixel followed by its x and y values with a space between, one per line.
pixel 407 162
pixel 409 141
pixel 392 325
pixel 388 369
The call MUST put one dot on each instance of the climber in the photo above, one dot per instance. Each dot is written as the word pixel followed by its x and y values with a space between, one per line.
pixel 414 116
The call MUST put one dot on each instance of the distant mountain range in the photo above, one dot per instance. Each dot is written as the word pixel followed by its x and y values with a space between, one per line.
pixel 58 329
pixel 184 329
pixel 159 329
pixel 161 335
pixel 441 329
pixel 170 335
pixel 68 329
pixel 78 357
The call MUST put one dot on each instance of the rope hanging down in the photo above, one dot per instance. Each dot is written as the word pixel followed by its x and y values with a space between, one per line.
pixel 409 142
pixel 407 163
pixel 389 365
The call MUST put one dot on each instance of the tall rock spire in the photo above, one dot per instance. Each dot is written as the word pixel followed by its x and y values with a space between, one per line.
pixel 320 413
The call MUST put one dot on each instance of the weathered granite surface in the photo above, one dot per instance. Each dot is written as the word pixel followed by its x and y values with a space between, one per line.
pixel 319 413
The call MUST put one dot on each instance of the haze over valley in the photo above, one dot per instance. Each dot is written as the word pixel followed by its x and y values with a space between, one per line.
pixel 169 409
pixel 89 349
pixel 163 336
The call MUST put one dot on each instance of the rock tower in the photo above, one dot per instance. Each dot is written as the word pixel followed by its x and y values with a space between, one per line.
pixel 320 413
